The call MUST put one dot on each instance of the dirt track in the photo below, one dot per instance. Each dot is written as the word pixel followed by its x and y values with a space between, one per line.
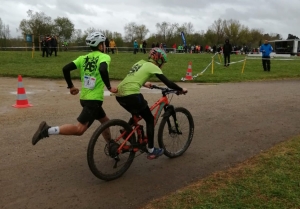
pixel 233 122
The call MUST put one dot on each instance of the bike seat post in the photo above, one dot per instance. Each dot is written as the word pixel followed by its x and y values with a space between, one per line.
pixel 140 134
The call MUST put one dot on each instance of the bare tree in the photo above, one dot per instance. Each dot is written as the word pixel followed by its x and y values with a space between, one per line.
pixel 218 28
pixel 232 29
pixel 256 36
pixel 77 36
pixel 63 27
pixel 162 29
pixel 38 24
pixel 1 28
pixel 4 33
pixel 130 32
pixel 171 32
pixel 188 28
pixel 141 31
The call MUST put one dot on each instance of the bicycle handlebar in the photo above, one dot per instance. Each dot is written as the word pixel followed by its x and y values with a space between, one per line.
pixel 166 91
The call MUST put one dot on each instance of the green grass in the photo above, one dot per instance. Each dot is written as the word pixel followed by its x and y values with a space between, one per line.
pixel 15 63
pixel 270 180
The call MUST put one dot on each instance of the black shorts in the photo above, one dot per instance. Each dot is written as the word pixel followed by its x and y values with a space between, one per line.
pixel 133 103
pixel 92 110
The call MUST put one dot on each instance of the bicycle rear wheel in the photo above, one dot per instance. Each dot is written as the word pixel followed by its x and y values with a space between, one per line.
pixel 174 142
pixel 103 159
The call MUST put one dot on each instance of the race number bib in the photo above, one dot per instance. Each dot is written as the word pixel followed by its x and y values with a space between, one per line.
pixel 89 82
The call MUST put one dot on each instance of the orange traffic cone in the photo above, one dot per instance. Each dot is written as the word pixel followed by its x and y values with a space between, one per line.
pixel 21 95
pixel 188 75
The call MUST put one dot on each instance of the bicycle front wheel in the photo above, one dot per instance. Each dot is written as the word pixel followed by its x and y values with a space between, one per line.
pixel 176 141
pixel 103 159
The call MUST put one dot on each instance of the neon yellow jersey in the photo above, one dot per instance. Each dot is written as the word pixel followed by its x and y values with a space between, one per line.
pixel 92 87
pixel 137 77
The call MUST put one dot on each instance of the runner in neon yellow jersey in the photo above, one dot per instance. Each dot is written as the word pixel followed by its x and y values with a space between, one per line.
pixel 94 68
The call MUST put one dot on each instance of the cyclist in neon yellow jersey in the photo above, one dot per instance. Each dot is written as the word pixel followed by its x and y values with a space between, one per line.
pixel 130 98
pixel 94 68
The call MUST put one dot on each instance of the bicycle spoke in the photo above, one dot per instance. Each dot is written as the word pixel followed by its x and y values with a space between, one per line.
pixel 104 158
pixel 176 142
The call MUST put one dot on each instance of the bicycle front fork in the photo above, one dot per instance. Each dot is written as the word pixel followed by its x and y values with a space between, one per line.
pixel 170 112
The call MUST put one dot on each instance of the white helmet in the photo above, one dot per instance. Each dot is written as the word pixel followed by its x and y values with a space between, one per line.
pixel 94 39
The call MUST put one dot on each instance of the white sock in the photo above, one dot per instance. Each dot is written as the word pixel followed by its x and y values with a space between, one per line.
pixel 150 150
pixel 53 130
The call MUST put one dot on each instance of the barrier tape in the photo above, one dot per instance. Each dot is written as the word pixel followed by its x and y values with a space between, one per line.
pixel 231 62
pixel 198 74
pixel 243 60
pixel 260 58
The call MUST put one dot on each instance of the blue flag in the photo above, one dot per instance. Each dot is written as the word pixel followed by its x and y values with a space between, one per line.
pixel 183 38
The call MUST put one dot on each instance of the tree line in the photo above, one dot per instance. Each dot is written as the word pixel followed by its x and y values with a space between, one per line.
pixel 40 24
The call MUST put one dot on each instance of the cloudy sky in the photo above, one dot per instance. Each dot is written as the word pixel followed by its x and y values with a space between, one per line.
pixel 272 16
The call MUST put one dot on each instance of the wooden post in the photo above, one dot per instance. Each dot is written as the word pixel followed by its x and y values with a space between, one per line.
pixel 244 65
pixel 25 42
pixel 212 65
pixel 40 47
pixel 57 44
pixel 32 36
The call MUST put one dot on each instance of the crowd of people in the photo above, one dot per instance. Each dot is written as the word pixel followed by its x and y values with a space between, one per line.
pixel 142 46
pixel 189 48
pixel 49 46
pixel 110 45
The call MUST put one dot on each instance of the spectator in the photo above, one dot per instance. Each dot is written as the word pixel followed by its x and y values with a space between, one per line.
pixel 164 47
pixel 180 48
pixel 141 47
pixel 185 48
pixel 214 49
pixel 189 48
pixel 246 50
pixel 107 45
pixel 44 47
pixel 266 50
pixel 153 45
pixel 201 49
pixel 227 49
pixel 112 45
pixel 206 48
pixel 144 46
pixel 65 45
pixel 174 47
pixel 135 47
pixel 53 44
pixel 219 49
pixel 48 43
pixel 197 49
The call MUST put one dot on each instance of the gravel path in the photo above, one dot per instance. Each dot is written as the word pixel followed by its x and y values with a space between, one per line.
pixel 234 122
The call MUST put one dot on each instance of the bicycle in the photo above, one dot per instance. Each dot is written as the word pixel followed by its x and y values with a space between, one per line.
pixel 175 135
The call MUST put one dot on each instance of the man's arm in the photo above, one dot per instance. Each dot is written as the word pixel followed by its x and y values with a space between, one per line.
pixel 168 83
pixel 104 74
pixel 67 73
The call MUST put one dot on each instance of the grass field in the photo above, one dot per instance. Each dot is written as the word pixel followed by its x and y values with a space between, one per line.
pixel 270 180
pixel 15 63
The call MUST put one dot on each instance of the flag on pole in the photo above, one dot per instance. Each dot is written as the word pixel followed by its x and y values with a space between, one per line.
pixel 183 38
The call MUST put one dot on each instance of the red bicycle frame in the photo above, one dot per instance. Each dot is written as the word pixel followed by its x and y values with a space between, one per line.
pixel 158 105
